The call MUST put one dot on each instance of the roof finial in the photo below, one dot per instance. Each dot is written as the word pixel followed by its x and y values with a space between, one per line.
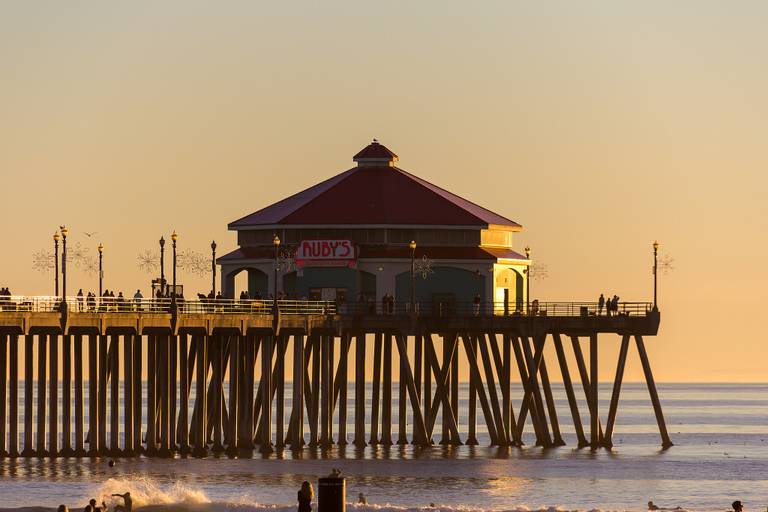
pixel 375 141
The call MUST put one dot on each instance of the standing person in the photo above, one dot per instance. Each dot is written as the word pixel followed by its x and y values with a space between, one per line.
pixel 615 304
pixel 80 300
pixel 737 506
pixel 476 305
pixel 306 494
pixel 137 298
pixel 128 503
pixel 600 304
pixel 608 307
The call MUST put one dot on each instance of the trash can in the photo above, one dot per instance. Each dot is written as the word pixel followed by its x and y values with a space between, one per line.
pixel 331 495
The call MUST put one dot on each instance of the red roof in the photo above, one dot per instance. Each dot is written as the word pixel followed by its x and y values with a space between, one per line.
pixel 390 252
pixel 374 195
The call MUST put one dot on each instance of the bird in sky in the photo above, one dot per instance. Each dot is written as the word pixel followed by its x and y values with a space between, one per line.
pixel 90 234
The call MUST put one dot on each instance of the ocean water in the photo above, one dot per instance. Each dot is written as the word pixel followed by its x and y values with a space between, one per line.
pixel 720 433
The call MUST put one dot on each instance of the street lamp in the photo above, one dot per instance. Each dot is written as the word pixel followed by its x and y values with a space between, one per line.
pixel 101 267
pixel 528 282
pixel 174 236
pixel 655 272
pixel 276 243
pixel 64 232
pixel 56 260
pixel 412 246
pixel 213 267
pixel 162 265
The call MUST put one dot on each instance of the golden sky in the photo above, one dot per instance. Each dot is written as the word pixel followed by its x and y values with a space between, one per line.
pixel 598 125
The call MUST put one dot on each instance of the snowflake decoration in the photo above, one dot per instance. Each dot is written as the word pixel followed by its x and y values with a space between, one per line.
pixel 286 261
pixel 423 267
pixel 89 265
pixel 666 264
pixel 148 261
pixel 43 261
pixel 538 272
pixel 193 262
pixel 77 254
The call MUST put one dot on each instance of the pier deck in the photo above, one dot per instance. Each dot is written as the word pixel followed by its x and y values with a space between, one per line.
pixel 246 344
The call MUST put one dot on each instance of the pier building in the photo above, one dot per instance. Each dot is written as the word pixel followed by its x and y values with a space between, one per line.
pixel 354 237
pixel 348 236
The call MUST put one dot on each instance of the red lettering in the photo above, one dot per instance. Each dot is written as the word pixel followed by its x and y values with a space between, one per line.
pixel 326 249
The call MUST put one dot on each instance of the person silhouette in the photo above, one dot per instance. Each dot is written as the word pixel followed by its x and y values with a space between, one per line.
pixel 306 493
pixel 600 304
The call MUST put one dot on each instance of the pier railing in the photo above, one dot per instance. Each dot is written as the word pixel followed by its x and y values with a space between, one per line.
pixel 51 304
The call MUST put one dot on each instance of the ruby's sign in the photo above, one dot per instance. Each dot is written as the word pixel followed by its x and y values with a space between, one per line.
pixel 324 253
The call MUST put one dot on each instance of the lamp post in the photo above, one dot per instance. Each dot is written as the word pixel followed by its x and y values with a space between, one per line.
pixel 174 236
pixel 213 267
pixel 528 282
pixel 655 272
pixel 276 243
pixel 162 265
pixel 412 246
pixel 64 232
pixel 101 267
pixel 56 260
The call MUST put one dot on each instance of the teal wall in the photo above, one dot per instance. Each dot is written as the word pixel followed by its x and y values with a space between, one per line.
pixel 257 282
pixel 462 284
pixel 331 277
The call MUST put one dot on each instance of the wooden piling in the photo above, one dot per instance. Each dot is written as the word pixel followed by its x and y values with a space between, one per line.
pixel 66 397
pixel 173 378
pixel 216 348
pixel 386 404
pixel 13 397
pixel 234 411
pixel 426 397
pixel 607 438
pixel 402 414
pixel 93 393
pixel 53 392
pixel 28 380
pixel 666 442
pixel 266 402
pixel 128 394
pixel 505 380
pixel 151 436
pixel 474 374
pixel 594 410
pixel 138 393
pixel 454 438
pixel 201 449
pixel 360 391
pixel 534 368
pixel 342 381
pixel 376 388
pixel 297 398
pixel 472 401
pixel 585 381
pixel 114 408
pixel 324 391
pixel 42 352
pixel 3 391
pixel 282 341
pixel 102 409
pixel 571 395
pixel 490 382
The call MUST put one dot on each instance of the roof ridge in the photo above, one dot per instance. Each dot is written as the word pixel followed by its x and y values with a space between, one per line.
pixel 324 185
pixel 431 186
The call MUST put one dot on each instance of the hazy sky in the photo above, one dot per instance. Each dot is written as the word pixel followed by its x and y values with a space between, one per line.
pixel 599 126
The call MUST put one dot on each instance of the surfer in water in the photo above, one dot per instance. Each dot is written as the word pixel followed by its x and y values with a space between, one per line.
pixel 128 503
